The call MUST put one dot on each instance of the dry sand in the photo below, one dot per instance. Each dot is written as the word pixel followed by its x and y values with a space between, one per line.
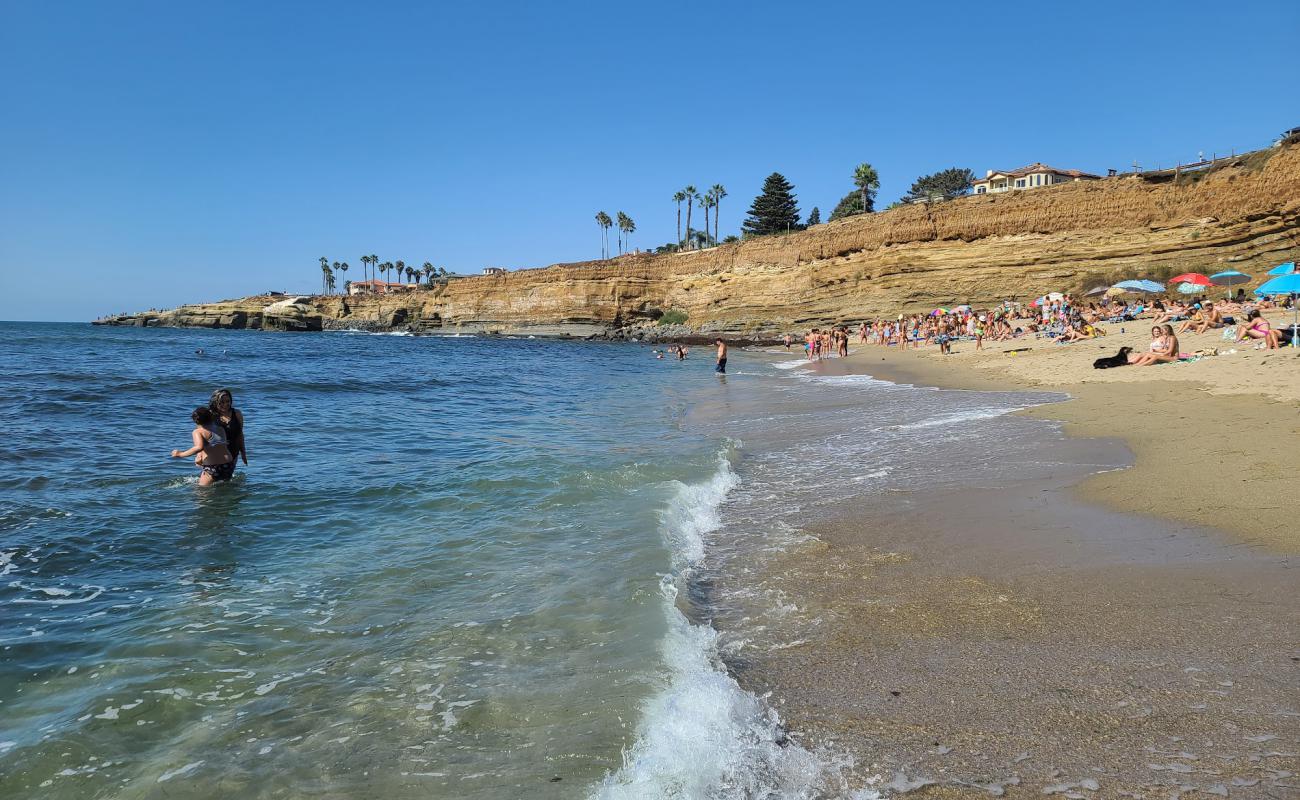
pixel 1027 641
pixel 1216 441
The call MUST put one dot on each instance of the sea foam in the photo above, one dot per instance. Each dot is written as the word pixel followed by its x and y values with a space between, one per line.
pixel 701 735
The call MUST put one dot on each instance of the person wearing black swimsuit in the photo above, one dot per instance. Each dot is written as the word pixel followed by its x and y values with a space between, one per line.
pixel 222 405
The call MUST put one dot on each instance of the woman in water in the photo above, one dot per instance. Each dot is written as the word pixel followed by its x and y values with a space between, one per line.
pixel 222 406
pixel 210 445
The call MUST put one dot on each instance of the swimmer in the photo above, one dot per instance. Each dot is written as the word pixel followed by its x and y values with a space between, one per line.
pixel 721 368
pixel 210 445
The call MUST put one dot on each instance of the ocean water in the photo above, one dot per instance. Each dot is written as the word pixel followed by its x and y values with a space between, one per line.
pixel 455 567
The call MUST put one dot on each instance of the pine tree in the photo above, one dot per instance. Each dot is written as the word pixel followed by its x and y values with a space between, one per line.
pixel 945 185
pixel 775 210
pixel 814 217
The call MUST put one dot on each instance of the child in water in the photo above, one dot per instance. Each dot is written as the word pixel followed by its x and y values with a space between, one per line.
pixel 210 445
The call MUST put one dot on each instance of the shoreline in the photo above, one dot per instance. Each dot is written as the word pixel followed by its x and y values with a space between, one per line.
pixel 1121 631
pixel 1203 450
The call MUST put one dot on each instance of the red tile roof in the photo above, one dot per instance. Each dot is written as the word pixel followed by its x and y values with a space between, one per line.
pixel 1037 167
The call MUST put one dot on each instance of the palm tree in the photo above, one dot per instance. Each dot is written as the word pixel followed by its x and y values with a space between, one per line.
pixel 679 198
pixel 691 197
pixel 374 264
pixel 384 268
pixel 427 269
pixel 620 220
pixel 365 262
pixel 866 179
pixel 603 220
pixel 707 202
pixel 718 193
pixel 324 268
pixel 627 227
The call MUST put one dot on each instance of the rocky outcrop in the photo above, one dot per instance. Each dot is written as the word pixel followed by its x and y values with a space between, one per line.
pixel 1243 214
pixel 253 313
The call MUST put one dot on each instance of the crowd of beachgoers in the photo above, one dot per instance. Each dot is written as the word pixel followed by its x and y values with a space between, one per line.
pixel 1060 318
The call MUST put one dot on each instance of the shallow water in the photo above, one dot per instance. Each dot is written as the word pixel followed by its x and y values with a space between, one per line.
pixel 454 567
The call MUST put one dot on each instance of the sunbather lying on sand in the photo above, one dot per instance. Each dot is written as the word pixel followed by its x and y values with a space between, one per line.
pixel 1173 313
pixel 1164 348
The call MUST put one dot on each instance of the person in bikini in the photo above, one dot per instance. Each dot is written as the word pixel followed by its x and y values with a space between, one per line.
pixel 1257 327
pixel 1164 348
pixel 211 448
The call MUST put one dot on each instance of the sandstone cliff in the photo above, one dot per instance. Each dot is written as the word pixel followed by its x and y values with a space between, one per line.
pixel 1242 214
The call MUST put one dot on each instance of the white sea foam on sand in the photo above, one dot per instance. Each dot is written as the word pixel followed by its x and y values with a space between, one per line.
pixel 701 735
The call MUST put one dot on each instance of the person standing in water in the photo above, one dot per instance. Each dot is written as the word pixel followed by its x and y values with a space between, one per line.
pixel 222 406
pixel 722 357
pixel 212 448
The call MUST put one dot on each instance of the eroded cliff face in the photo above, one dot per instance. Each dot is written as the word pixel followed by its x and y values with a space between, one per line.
pixel 1241 215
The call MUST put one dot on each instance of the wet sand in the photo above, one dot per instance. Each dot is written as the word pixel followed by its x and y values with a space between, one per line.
pixel 1021 640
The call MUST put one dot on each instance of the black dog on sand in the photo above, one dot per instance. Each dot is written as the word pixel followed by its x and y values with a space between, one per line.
pixel 1120 359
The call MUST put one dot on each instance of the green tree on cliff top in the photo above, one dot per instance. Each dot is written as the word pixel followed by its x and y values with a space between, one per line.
pixel 775 210
pixel 718 191
pixel 603 220
pixel 943 185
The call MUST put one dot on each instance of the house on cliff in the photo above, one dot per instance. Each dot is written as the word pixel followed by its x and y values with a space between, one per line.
pixel 1028 177
pixel 378 287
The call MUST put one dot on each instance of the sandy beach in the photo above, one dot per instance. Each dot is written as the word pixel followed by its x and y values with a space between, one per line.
pixel 1132 634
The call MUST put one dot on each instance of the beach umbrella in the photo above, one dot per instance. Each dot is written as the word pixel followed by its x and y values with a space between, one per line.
pixel 1285 284
pixel 1115 291
pixel 1096 290
pixel 938 312
pixel 1229 278
pixel 1190 288
pixel 1194 278
pixel 1055 296
pixel 1150 287
pixel 1285 268
pixel 961 309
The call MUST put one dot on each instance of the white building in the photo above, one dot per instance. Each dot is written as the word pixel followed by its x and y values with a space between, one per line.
pixel 1029 177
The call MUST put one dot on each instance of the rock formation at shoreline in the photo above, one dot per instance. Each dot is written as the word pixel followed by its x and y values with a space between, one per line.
pixel 1241 214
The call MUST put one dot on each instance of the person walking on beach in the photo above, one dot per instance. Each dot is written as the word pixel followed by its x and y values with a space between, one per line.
pixel 222 406
pixel 211 447
pixel 721 368
pixel 787 341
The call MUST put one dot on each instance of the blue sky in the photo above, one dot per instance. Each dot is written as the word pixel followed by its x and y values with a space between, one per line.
pixel 155 153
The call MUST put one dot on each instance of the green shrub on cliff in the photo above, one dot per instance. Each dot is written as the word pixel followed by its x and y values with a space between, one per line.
pixel 673 316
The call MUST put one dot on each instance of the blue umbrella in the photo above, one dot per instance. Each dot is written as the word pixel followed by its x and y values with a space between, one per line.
pixel 1229 278
pixel 1286 268
pixel 1286 284
pixel 1141 286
